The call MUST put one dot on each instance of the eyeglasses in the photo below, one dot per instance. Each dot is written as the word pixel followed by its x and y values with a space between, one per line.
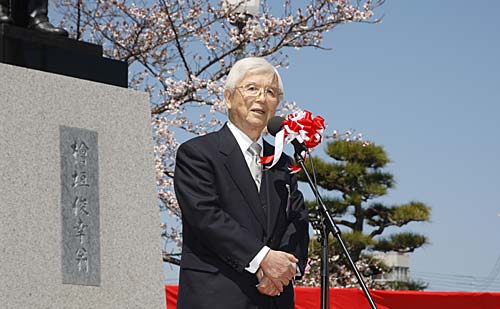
pixel 253 91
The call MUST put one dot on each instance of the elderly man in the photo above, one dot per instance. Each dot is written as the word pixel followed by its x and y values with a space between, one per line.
pixel 245 229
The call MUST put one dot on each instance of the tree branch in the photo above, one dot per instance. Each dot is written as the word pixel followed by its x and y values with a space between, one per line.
pixel 168 258
pixel 177 42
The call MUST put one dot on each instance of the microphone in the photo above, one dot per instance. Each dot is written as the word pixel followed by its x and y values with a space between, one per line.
pixel 275 124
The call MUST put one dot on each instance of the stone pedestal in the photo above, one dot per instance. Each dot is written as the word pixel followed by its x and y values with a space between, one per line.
pixel 79 223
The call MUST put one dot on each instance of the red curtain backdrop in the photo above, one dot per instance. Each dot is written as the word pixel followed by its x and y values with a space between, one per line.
pixel 309 298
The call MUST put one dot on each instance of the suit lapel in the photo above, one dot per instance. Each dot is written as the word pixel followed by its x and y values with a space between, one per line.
pixel 238 170
pixel 268 193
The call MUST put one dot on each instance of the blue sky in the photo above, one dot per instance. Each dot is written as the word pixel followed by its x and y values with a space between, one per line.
pixel 425 85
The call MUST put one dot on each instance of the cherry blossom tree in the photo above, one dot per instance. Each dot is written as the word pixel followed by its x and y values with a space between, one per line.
pixel 180 51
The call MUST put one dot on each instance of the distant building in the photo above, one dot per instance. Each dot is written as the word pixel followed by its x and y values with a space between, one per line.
pixel 399 264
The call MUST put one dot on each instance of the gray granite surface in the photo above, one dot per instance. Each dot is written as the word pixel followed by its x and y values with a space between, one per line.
pixel 33 107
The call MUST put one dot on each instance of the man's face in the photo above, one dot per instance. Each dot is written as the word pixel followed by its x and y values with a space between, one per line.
pixel 253 102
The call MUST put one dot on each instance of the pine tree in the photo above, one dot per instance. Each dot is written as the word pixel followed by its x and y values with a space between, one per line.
pixel 354 179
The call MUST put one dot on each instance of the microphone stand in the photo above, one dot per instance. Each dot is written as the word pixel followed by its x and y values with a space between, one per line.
pixel 329 226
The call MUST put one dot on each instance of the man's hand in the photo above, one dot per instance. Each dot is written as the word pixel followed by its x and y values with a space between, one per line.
pixel 279 267
pixel 266 286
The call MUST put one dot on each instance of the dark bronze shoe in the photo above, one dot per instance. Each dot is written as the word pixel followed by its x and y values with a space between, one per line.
pixel 42 24
pixel 4 15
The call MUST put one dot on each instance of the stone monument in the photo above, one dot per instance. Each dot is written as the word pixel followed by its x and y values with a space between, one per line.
pixel 79 220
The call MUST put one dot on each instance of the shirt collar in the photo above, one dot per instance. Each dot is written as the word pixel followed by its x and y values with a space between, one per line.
pixel 242 139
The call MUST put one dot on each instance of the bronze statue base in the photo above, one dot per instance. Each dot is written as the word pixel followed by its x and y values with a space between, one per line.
pixel 57 54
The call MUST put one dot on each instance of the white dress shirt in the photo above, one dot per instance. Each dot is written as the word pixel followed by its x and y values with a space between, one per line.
pixel 244 142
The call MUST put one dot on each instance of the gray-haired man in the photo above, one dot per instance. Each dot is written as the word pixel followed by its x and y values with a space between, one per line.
pixel 245 229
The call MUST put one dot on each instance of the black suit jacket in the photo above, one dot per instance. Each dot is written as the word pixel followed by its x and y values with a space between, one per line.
pixel 226 221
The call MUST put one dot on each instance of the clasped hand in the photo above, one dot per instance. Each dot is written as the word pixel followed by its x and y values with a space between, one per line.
pixel 277 269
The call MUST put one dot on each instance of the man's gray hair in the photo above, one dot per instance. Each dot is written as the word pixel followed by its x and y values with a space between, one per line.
pixel 246 65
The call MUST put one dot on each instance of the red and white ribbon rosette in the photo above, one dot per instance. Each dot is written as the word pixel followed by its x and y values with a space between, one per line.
pixel 302 127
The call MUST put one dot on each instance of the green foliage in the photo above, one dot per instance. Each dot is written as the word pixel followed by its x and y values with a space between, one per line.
pixel 355 172
pixel 412 285
pixel 381 216
pixel 337 206
pixel 413 211
pixel 357 240
pixel 367 155
pixel 354 177
pixel 401 242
